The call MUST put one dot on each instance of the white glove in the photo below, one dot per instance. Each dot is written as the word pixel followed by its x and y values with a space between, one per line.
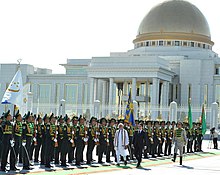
pixel 24 143
pixel 95 140
pixel 12 142
pixel 34 139
pixel 145 147
pixel 55 140
pixel 36 131
pixel 116 148
pixel 132 146
pixel 85 139
pixel 71 141
pixel 72 132
pixel 56 132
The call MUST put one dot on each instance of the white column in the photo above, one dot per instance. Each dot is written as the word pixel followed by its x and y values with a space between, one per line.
pixel 164 100
pixel 155 98
pixel 104 90
pixel 146 98
pixel 111 83
pixel 134 88
pixel 91 96
pixel 173 111
pixel 95 89
pixel 214 115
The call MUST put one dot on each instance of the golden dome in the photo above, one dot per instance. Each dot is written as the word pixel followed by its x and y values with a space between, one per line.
pixel 175 20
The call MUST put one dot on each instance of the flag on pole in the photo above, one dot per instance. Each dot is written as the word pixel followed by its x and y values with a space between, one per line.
pixel 203 120
pixel 13 94
pixel 190 114
pixel 129 113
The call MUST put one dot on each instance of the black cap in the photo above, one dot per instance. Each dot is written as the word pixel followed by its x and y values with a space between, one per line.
pixel 6 114
pixel 93 118
pixel 17 114
pixel 59 118
pixel 81 117
pixel 51 116
pixel 28 115
pixel 45 117
pixel 66 118
pixel 75 118
pixel 38 117
pixel 173 122
pixel 168 122
pixel 103 119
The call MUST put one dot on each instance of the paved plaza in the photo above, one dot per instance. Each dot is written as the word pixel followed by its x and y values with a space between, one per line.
pixel 206 162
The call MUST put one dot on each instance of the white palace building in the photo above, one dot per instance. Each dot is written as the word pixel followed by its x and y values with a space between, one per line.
pixel 172 61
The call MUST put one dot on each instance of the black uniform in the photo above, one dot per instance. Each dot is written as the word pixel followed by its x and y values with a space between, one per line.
pixel 17 132
pixel 168 143
pixel 6 145
pixel 39 142
pixel 48 145
pixel 27 137
pixel 104 143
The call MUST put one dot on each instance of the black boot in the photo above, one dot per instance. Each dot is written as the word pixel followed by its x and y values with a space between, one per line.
pixel 181 160
pixel 174 157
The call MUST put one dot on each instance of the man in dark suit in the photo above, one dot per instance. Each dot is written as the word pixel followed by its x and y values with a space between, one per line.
pixel 139 143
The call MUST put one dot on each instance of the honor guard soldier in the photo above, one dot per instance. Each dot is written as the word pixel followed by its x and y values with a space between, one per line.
pixel 34 140
pixel 1 135
pixel 81 140
pixel 130 129
pixel 189 135
pixel 103 140
pixel 111 134
pixel 38 136
pixel 179 140
pixel 43 132
pixel 169 137
pixel 17 132
pixel 74 128
pixel 156 139
pixel 199 137
pixel 7 139
pixel 48 142
pixel 59 142
pixel 66 141
pixel 163 136
pixel 92 139
pixel 27 136
pixel 149 133
pixel 53 133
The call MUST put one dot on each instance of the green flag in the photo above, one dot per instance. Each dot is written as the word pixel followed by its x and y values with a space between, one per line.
pixel 190 115
pixel 203 120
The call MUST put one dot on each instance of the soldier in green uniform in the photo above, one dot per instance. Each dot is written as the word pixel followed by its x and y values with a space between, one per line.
pixel 111 136
pixel 60 127
pixel 156 139
pixel 189 134
pixel 81 140
pixel 53 133
pixel 66 141
pixel 92 139
pixel 163 137
pixel 43 132
pixel 199 137
pixel 130 129
pixel 149 134
pixel 179 140
pixel 74 128
pixel 1 135
pixel 17 132
pixel 103 139
pixel 27 136
pixel 169 138
pixel 7 139
pixel 38 132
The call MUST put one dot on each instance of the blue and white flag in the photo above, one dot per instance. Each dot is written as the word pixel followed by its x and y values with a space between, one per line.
pixel 13 94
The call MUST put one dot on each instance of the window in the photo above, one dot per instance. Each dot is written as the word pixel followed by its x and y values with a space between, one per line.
pixel 57 97
pixel 71 93
pixel 176 95
pixel 199 45
pixel 192 44
pixel 177 43
pixel 169 43
pixel 153 43
pixel 44 93
pixel 203 46
pixel 147 43
pixel 85 94
pixel 184 43
pixel 142 44
pixel 160 43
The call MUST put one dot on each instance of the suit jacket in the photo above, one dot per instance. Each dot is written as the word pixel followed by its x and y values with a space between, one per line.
pixel 139 139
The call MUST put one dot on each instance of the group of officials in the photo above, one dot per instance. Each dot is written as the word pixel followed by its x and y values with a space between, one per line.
pixel 63 139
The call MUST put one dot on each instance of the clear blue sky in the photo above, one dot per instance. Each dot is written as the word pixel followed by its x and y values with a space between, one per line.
pixel 47 32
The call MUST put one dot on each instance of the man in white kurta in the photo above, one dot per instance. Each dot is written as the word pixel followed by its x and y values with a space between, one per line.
pixel 121 142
